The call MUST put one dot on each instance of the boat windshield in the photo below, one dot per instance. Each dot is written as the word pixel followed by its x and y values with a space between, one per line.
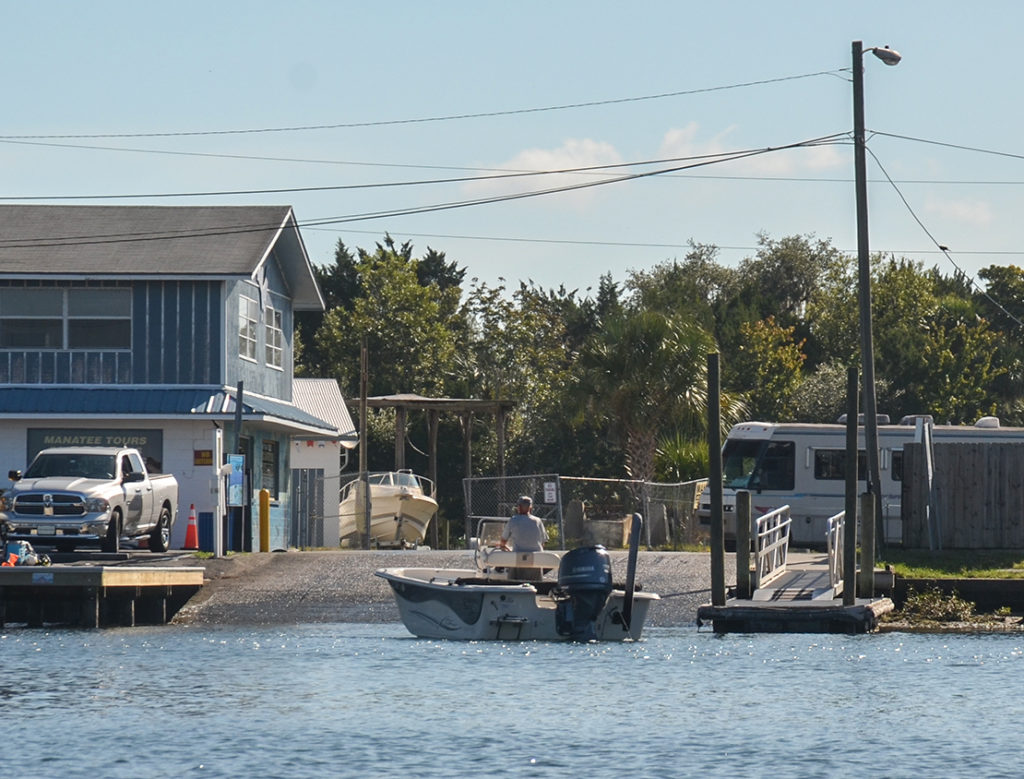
pixel 757 464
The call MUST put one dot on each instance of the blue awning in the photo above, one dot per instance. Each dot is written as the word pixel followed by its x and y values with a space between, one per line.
pixel 168 403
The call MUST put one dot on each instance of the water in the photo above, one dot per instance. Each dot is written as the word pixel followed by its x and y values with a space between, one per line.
pixel 357 700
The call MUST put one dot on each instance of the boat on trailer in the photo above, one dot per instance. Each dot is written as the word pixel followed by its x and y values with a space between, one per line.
pixel 401 507
pixel 523 596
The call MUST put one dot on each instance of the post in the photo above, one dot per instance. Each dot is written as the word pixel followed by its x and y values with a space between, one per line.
pixel 867 546
pixel 432 419
pixel 743 517
pixel 867 353
pixel 715 484
pixel 264 520
pixel 850 531
pixel 363 475
pixel 399 438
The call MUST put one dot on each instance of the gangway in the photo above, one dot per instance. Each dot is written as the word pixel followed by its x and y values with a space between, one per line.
pixel 818 577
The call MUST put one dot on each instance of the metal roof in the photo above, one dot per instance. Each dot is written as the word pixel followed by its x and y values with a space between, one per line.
pixel 168 403
pixel 322 398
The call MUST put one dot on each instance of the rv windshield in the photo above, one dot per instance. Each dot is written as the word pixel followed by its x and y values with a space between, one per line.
pixel 739 458
pixel 757 465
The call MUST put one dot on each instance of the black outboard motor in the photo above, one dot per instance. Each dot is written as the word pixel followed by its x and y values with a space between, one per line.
pixel 585 580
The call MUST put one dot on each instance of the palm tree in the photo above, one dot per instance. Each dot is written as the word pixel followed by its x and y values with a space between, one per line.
pixel 646 373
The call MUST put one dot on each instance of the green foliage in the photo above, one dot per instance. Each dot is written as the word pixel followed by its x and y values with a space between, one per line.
pixel 935 606
pixel 768 361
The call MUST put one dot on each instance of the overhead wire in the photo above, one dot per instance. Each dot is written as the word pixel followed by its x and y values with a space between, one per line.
pixel 428 119
pixel 941 247
pixel 703 160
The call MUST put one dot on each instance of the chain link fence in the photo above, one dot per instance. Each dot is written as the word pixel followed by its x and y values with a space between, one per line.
pixel 581 510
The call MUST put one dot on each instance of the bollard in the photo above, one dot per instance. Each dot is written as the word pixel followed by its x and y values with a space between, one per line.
pixel 264 520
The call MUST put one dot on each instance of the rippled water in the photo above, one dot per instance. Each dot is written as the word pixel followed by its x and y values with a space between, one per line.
pixel 368 700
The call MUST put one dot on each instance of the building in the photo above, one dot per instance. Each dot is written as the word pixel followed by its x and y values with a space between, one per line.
pixel 142 325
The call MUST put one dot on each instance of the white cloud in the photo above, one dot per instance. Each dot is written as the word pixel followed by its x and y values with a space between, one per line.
pixel 574 153
pixel 972 212
pixel 685 142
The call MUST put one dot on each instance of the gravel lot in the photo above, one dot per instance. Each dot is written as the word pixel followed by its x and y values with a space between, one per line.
pixel 309 587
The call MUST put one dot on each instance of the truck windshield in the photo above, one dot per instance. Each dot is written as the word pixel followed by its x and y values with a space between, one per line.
pixel 82 466
pixel 758 465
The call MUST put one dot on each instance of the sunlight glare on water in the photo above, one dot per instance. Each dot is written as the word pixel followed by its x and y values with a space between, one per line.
pixel 369 700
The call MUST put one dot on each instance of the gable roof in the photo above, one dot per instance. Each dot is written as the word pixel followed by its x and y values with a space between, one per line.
pixel 322 398
pixel 165 241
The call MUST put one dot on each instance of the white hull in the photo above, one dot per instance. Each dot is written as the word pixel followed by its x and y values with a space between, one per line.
pixel 400 509
pixel 458 604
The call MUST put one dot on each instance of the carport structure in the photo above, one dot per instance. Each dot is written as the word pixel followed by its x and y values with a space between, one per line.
pixel 467 409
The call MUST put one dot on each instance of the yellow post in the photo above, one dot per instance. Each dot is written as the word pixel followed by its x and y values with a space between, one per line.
pixel 264 520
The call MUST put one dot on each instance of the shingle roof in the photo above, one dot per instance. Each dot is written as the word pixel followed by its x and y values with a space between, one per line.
pixel 137 239
pixel 189 241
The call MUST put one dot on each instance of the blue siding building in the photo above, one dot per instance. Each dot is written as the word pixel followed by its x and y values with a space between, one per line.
pixel 140 324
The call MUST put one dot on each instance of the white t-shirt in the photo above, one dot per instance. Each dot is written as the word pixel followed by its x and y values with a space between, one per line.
pixel 526 532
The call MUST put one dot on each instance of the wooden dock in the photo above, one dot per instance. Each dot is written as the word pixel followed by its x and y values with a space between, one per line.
pixel 95 596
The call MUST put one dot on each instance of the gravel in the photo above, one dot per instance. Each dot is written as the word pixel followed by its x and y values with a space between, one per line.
pixel 282 588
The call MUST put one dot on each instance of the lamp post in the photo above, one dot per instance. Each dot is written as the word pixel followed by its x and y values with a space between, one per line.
pixel 889 57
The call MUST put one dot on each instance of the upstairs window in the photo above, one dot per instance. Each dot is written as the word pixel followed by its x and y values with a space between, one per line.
pixel 275 338
pixel 248 320
pixel 95 318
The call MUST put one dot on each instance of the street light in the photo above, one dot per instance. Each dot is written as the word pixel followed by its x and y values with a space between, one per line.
pixel 889 57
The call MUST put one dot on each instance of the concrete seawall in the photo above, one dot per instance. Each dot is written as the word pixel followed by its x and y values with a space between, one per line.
pixel 310 587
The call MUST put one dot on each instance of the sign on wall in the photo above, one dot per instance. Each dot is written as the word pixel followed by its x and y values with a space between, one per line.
pixel 149 442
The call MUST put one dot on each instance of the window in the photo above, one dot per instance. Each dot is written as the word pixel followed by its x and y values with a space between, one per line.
pixel 275 338
pixel 248 318
pixel 776 467
pixel 65 318
pixel 269 470
pixel 830 464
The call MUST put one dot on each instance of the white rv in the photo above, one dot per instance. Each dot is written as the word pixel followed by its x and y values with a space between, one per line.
pixel 803 466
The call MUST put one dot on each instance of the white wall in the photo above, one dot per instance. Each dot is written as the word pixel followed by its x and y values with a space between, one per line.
pixel 312 453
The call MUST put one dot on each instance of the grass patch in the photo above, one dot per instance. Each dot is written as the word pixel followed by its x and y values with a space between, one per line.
pixel 958 564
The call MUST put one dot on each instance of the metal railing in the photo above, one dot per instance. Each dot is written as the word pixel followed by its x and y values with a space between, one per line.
pixel 771 546
pixel 834 544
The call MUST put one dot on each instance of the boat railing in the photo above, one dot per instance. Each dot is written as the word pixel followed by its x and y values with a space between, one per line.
pixel 772 546
pixel 834 544
pixel 404 478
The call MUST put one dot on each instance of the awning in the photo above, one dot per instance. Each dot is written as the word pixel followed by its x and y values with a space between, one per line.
pixel 217 404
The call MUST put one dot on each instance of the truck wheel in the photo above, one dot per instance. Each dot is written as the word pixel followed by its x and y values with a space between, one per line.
pixel 111 542
pixel 160 538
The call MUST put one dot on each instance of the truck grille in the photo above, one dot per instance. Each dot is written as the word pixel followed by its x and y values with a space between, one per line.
pixel 39 504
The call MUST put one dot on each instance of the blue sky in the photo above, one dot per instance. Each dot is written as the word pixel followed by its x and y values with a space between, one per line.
pixel 166 91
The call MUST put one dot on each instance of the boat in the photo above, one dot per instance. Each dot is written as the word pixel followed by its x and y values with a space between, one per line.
pixel 511 596
pixel 401 506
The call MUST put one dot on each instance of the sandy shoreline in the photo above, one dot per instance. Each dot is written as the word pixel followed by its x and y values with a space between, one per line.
pixel 282 588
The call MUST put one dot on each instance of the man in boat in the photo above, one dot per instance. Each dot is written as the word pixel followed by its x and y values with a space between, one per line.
pixel 525 531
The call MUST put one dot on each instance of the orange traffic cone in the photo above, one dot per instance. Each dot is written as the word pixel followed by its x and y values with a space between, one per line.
pixel 192 533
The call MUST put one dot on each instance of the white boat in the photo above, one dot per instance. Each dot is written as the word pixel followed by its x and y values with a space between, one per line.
pixel 511 596
pixel 401 506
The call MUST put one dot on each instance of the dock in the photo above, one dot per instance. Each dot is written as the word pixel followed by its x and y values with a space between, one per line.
pixel 794 593
pixel 95 596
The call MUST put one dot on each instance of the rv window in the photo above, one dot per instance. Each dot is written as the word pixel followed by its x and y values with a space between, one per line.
pixel 897 465
pixel 775 471
pixel 830 464
pixel 739 457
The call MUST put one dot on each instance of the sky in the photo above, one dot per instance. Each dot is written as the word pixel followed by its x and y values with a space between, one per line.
pixel 384 117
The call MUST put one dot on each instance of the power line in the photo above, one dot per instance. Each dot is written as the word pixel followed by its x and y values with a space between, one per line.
pixel 945 250
pixel 427 119
pixel 702 161
pixel 950 145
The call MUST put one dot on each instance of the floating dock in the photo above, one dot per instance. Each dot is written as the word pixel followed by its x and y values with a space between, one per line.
pixel 95 596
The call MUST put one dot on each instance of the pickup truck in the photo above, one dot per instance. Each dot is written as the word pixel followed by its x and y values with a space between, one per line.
pixel 87 495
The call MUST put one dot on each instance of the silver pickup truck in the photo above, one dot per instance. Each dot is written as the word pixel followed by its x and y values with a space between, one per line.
pixel 87 495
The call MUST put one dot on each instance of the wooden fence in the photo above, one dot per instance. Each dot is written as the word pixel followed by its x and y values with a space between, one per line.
pixel 978 501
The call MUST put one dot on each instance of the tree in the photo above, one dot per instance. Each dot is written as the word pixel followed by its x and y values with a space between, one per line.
pixel 410 337
pixel 768 362
pixel 646 373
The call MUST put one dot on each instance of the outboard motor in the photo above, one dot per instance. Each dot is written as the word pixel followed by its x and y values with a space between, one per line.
pixel 585 580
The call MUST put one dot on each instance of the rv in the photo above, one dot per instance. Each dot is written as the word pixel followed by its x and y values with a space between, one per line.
pixel 803 466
